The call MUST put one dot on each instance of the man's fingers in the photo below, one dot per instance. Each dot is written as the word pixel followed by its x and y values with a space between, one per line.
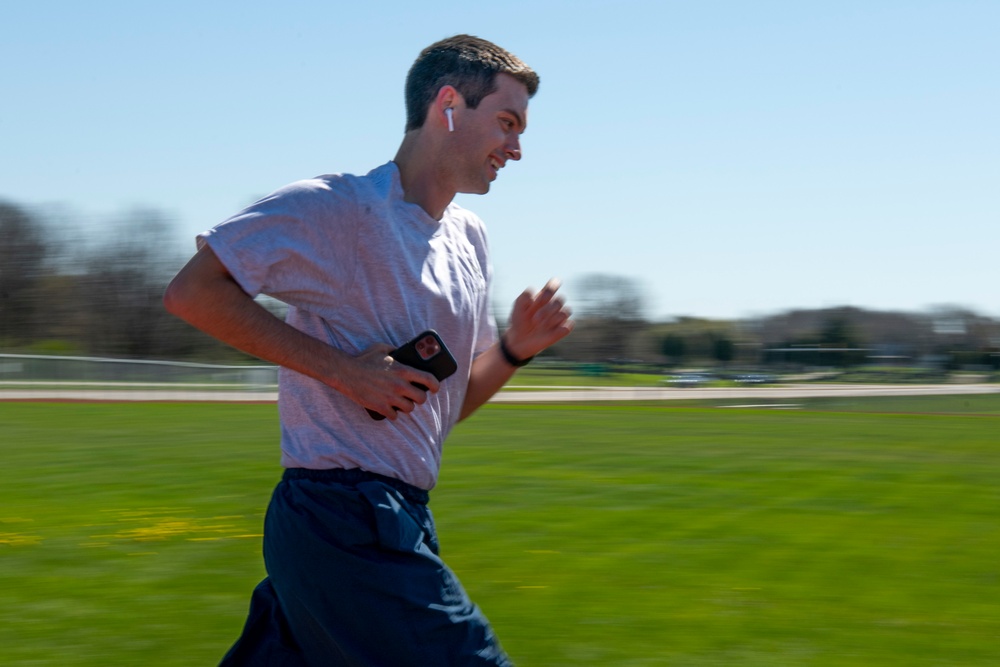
pixel 531 303
pixel 538 320
pixel 407 402
pixel 427 382
pixel 390 387
pixel 556 305
pixel 545 294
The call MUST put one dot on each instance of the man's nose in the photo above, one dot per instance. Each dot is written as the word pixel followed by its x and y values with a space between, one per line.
pixel 513 150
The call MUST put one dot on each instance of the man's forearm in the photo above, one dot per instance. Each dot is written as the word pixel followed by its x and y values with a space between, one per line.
pixel 490 372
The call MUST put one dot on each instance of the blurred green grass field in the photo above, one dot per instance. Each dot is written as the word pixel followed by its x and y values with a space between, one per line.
pixel 864 533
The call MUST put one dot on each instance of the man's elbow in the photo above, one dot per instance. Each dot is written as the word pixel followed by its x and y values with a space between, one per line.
pixel 176 299
pixel 171 302
pixel 186 292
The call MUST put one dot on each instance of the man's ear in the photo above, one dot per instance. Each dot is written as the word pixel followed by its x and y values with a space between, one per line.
pixel 447 98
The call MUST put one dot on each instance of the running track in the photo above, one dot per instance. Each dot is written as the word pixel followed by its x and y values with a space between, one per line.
pixel 513 394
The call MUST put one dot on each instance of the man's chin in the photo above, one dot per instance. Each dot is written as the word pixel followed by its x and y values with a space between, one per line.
pixel 476 190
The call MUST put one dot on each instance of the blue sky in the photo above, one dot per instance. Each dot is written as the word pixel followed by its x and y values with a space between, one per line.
pixel 733 158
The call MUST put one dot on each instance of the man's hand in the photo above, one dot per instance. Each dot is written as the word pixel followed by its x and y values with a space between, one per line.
pixel 537 321
pixel 381 384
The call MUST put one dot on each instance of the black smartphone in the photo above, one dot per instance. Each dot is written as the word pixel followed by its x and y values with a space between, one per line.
pixel 426 352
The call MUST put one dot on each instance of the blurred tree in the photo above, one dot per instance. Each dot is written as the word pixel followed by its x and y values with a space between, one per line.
pixel 967 340
pixel 695 340
pixel 837 331
pixel 838 335
pixel 121 288
pixel 608 296
pixel 23 255
pixel 723 349
pixel 672 347
pixel 609 313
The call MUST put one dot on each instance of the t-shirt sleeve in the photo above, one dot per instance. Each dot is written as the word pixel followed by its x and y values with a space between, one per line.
pixel 293 245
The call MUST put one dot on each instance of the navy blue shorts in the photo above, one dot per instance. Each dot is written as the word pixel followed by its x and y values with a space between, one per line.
pixel 354 579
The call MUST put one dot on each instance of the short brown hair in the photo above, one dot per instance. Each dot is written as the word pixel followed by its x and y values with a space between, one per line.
pixel 468 63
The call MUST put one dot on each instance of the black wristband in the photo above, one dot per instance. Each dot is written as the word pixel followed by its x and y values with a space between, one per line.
pixel 510 358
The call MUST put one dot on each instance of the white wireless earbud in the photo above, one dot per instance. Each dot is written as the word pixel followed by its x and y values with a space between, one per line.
pixel 449 112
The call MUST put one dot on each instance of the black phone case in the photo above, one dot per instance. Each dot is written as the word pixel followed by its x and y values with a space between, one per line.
pixel 441 365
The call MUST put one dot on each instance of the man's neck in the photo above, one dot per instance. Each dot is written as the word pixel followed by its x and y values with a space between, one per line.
pixel 424 182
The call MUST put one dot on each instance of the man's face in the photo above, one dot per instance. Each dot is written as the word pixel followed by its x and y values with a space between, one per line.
pixel 486 137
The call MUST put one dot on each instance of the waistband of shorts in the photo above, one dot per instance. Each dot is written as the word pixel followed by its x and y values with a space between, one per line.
pixel 355 476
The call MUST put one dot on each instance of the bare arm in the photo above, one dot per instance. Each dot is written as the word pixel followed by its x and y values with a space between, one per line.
pixel 537 321
pixel 205 295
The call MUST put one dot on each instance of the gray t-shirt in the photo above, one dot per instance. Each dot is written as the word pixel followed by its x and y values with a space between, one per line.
pixel 357 265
